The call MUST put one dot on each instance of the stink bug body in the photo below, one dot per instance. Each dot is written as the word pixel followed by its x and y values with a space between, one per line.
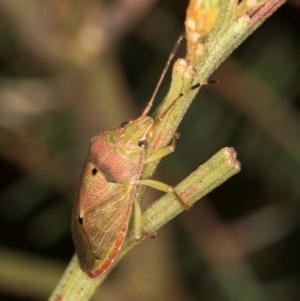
pixel 105 198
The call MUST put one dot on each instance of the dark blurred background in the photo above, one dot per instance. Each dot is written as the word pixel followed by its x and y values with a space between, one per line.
pixel 72 68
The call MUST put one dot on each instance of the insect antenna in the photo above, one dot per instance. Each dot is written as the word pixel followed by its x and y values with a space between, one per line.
pixel 196 86
pixel 173 52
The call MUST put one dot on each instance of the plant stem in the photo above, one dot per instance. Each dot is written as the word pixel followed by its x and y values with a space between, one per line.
pixel 76 285
pixel 207 47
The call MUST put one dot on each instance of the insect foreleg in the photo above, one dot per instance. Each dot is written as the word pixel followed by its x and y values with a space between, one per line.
pixel 163 151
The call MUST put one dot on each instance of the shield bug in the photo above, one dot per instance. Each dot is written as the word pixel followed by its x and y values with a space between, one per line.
pixel 105 198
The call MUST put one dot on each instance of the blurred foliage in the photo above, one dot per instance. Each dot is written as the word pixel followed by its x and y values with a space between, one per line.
pixel 72 68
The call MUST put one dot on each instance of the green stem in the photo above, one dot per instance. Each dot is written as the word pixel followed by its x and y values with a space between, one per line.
pixel 76 285
pixel 229 31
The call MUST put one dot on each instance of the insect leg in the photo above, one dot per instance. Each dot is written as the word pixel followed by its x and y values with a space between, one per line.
pixel 163 151
pixel 196 86
pixel 138 223
pixel 163 187
pixel 137 220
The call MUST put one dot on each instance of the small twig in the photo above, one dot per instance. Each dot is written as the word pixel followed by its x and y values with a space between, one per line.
pixel 76 285
pixel 210 48
pixel 264 11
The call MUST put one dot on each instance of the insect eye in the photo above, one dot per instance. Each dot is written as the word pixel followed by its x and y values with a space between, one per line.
pixel 143 144
pixel 94 171
pixel 123 124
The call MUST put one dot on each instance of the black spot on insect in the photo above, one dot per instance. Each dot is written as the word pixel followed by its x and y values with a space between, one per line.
pixel 143 144
pixel 123 124
pixel 80 220
pixel 94 171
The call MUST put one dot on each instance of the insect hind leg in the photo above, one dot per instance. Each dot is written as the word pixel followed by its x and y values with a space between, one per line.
pixel 138 229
